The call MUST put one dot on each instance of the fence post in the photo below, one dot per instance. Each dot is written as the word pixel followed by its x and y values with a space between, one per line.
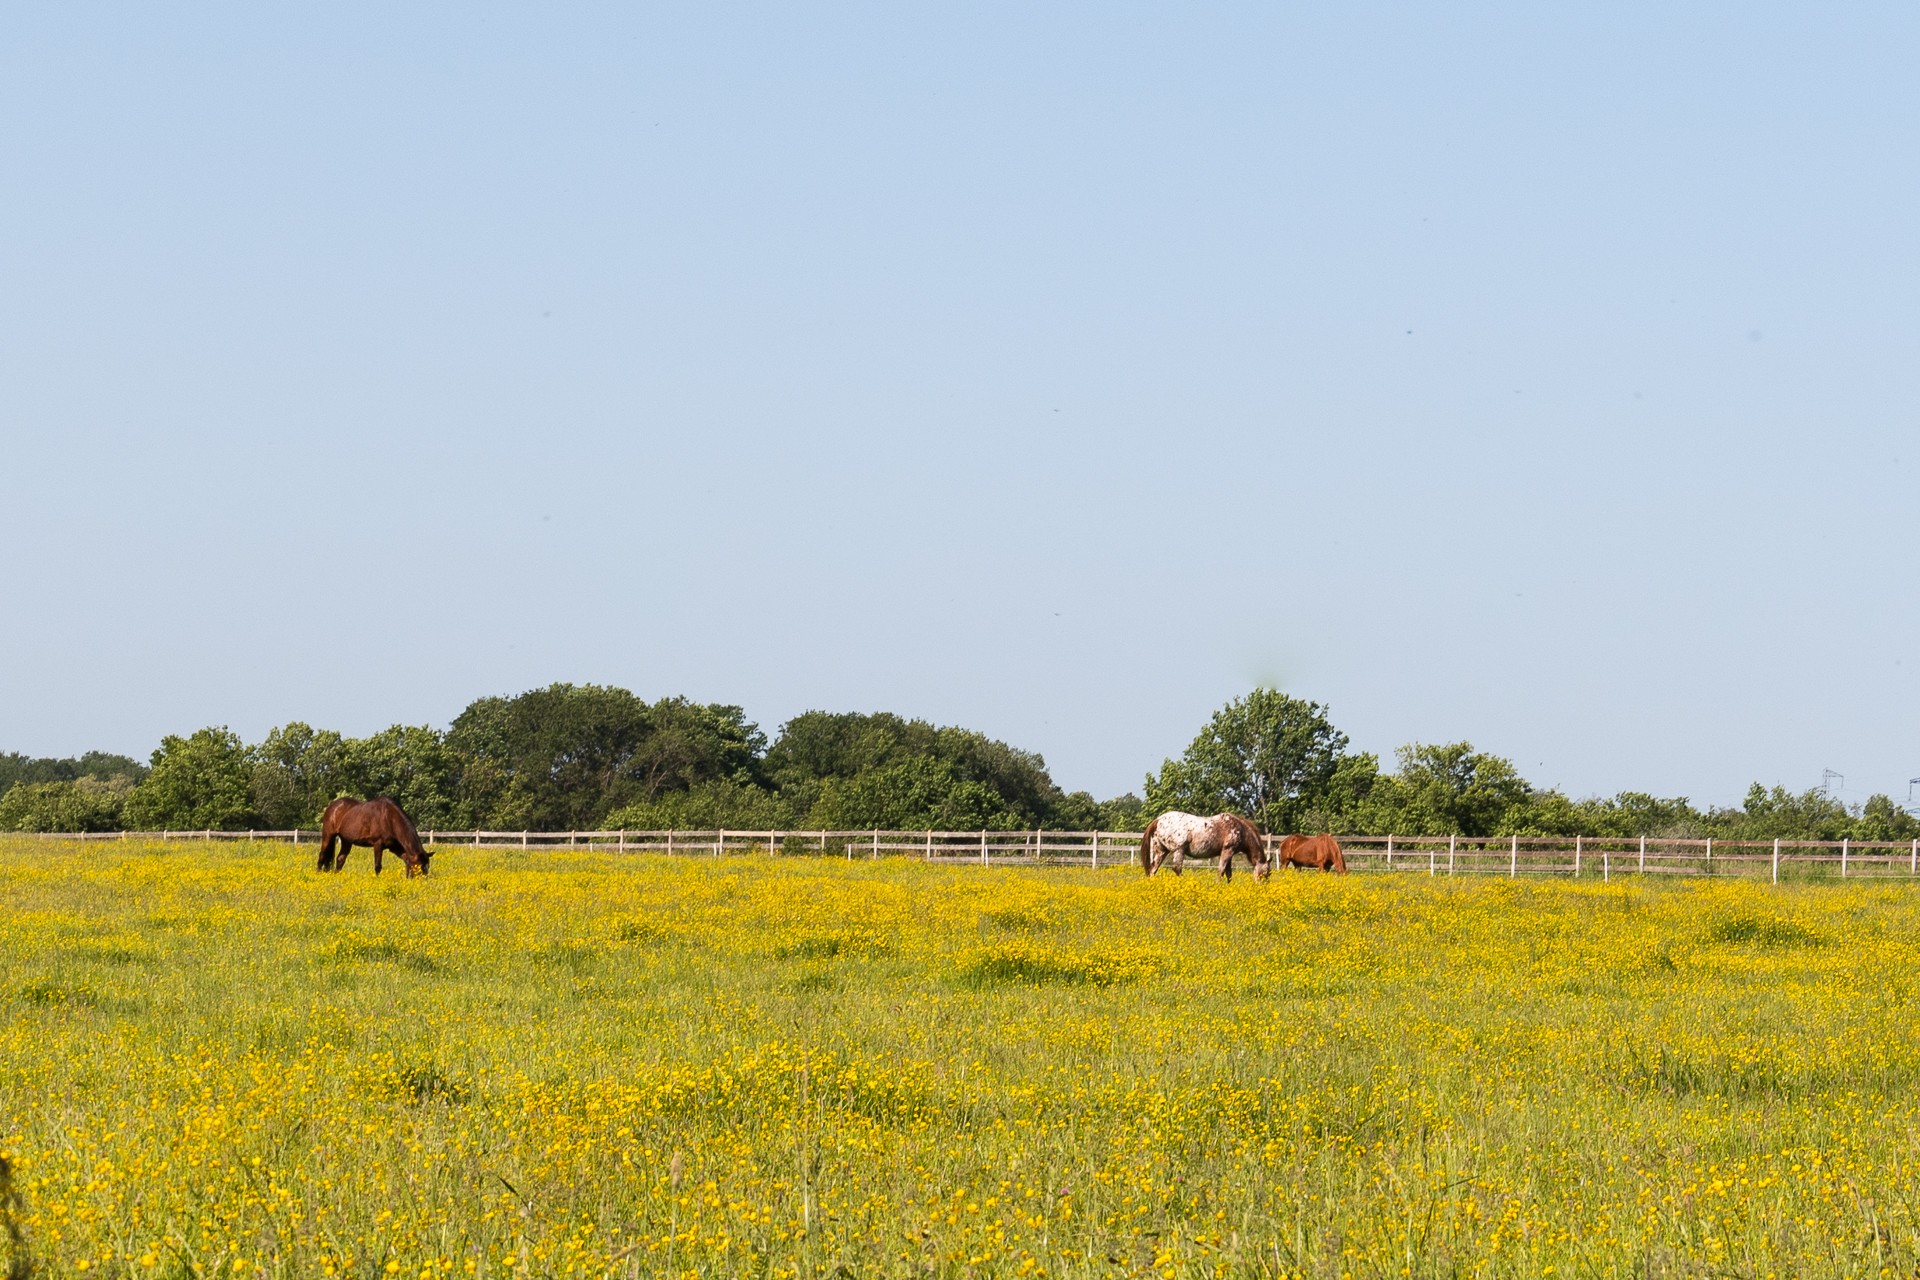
pixel 1096 851
pixel 1576 857
pixel 1643 855
pixel 1450 842
pixel 1709 855
pixel 476 837
pixel 523 839
pixel 929 844
pixel 1389 851
pixel 1432 854
pixel 1606 865
pixel 1513 866
pixel 623 841
pixel 876 842
pixel 719 842
pixel 1776 860
pixel 1844 843
pixel 983 848
pixel 1913 863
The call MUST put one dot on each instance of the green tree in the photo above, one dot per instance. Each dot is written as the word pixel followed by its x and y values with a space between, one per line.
pixel 15 767
pixel 1446 789
pixel 919 793
pixel 85 804
pixel 1078 811
pixel 1881 819
pixel 707 806
pixel 296 772
pixel 410 765
pixel 820 747
pixel 564 757
pixel 1635 813
pixel 1267 755
pixel 1123 813
pixel 197 782
pixel 1341 804
pixel 1779 814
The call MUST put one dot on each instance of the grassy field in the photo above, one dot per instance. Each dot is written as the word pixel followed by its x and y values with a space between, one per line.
pixel 216 1062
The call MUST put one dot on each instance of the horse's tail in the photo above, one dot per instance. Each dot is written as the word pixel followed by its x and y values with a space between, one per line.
pixel 1146 847
pixel 1339 860
pixel 329 829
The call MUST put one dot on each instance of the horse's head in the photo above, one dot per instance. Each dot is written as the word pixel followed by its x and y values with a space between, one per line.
pixel 426 862
pixel 1247 838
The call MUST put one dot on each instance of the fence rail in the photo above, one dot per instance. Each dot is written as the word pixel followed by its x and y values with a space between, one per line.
pixel 1577 856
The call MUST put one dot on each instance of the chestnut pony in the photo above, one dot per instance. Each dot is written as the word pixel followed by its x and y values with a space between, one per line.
pixel 1301 852
pixel 379 824
pixel 1178 834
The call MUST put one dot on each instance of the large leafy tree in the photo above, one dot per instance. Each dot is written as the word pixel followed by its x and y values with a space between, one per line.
pixel 410 765
pixel 1446 789
pixel 820 756
pixel 295 772
pixel 1268 755
pixel 565 756
pixel 199 781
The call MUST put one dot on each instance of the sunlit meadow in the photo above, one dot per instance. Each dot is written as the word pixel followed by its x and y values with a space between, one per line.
pixel 217 1062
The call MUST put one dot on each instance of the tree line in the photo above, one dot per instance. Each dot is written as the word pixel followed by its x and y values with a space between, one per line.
pixel 589 757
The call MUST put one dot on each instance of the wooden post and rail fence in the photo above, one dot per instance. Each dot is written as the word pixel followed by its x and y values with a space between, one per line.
pixel 1583 857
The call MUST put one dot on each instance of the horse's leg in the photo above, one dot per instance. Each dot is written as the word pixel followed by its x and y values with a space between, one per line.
pixel 379 847
pixel 326 855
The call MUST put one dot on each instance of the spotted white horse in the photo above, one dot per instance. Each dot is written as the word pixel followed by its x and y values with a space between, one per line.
pixel 1175 834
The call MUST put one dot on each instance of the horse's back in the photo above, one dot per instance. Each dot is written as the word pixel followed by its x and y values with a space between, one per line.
pixel 377 819
pixel 336 812
pixel 1176 828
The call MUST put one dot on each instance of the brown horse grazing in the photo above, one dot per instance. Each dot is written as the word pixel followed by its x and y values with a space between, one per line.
pixel 1225 834
pixel 1322 852
pixel 379 824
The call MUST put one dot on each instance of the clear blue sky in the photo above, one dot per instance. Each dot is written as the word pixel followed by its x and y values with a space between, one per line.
pixel 1545 376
